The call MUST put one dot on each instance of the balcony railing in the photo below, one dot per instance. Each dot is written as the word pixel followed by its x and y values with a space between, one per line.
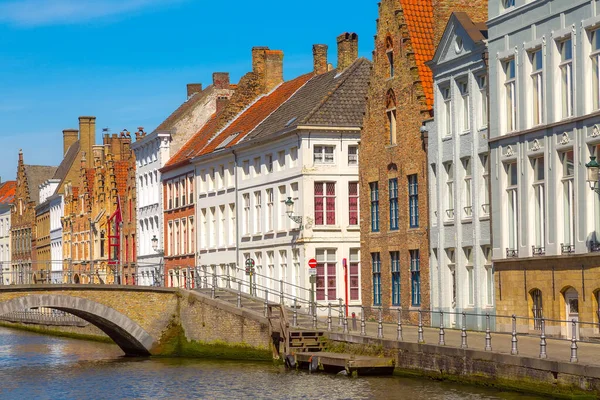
pixel 511 253
pixel 538 251
pixel 450 213
pixel 485 208
pixel 468 211
pixel 567 248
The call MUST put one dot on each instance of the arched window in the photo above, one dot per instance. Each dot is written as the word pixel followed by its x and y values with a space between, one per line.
pixel 390 103
pixel 389 50
pixel 536 308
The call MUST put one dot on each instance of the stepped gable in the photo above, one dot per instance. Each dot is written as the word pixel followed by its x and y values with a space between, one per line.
pixel 36 175
pixel 419 18
pixel 7 192
pixel 328 99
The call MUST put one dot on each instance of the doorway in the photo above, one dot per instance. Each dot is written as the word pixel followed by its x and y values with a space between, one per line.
pixel 571 311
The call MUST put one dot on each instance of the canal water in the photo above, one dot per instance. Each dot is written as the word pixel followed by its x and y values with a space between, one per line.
pixel 41 367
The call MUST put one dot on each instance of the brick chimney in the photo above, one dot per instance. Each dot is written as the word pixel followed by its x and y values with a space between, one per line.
pixel 268 65
pixel 70 136
pixel 193 88
pixel 347 46
pixel 221 80
pixel 222 102
pixel 320 58
pixel 87 134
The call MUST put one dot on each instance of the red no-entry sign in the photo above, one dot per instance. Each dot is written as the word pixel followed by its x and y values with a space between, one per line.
pixel 312 263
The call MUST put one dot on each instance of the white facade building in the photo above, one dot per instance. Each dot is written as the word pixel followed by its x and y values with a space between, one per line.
pixel 460 261
pixel 56 206
pixel 7 195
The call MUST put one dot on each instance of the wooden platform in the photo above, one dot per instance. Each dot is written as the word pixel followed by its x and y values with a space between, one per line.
pixel 336 362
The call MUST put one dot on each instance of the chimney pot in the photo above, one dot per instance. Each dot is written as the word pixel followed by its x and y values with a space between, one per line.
pixel 347 46
pixel 221 103
pixel 87 133
pixel 320 58
pixel 70 136
pixel 193 88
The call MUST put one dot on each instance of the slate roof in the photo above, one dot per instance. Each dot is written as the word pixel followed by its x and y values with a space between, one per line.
pixel 67 162
pixel 36 175
pixel 184 108
pixel 8 190
pixel 328 99
pixel 208 138
pixel 418 15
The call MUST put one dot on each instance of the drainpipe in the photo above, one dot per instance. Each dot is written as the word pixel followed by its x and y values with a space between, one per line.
pixel 237 210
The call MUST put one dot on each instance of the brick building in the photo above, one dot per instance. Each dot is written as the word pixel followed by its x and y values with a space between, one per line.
pixel 99 217
pixel 393 155
pixel 23 218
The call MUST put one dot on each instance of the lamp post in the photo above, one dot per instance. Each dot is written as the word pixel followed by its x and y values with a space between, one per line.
pixel 158 276
pixel 593 169
pixel 289 205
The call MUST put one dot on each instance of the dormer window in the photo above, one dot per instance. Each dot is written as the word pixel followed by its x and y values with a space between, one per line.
pixel 508 3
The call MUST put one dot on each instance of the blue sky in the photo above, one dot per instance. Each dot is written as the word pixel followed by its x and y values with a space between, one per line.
pixel 127 62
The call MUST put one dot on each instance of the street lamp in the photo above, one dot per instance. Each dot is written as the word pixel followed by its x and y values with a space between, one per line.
pixel 289 205
pixel 154 243
pixel 593 169
pixel 158 281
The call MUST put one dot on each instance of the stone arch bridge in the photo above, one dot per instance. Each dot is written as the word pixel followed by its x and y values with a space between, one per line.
pixel 152 321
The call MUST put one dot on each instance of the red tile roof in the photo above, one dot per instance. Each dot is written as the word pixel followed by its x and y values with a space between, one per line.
pixel 418 15
pixel 7 192
pixel 201 142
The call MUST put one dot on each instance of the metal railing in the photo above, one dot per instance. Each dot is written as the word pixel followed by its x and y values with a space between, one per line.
pixel 43 316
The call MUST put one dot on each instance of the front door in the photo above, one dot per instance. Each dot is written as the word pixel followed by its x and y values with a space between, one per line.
pixel 572 312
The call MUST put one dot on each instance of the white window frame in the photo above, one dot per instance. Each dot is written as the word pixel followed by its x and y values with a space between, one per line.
pixel 483 98
pixel 449 211
pixel 512 216
pixel 322 155
pixel 467 187
pixel 447 110
pixel 537 86
pixel 539 199
pixel 465 114
pixel 568 200
pixel 509 66
pixel 566 75
pixel 595 67
pixel 353 155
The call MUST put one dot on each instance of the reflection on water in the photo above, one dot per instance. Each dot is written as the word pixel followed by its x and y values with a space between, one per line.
pixel 40 367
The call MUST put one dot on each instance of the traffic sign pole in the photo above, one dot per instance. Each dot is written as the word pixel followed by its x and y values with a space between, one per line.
pixel 312 263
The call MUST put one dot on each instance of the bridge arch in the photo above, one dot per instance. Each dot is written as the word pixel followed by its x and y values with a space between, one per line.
pixel 127 334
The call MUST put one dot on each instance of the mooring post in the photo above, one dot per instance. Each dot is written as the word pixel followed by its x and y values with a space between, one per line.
pixel 329 317
pixel 463 333
pixel 341 313
pixel 514 349
pixel 420 338
pixel 380 324
pixel 281 291
pixel 239 295
pixel 442 340
pixel 314 318
pixel 345 324
pixel 543 339
pixel 488 336
pixel 212 288
pixel 574 342
pixel 399 330
pixel 363 323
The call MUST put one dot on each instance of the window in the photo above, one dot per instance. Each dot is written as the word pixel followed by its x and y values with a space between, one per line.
pixel 376 267
pixel 294 156
pixel 222 225
pixel 449 191
pixel 485 188
pixel 463 87
pixel 296 272
pixel 537 87
pixel 393 194
pixel 415 278
pixel 395 267
pixel 323 155
pixel 374 186
pixel 390 56
pixel 283 266
pixel 269 163
pixel 565 49
pixel 257 211
pixel 354 278
pixel 510 98
pixel 324 203
pixel 508 3
pixel 483 98
pixel 281 160
pixel 204 229
pixel 183 184
pixel 211 180
pixel 281 215
pixel 326 274
pixel 246 221
pixel 192 238
pixel 353 203
pixel 489 278
pixel 447 114
pixel 433 199
pixel 191 199
pixel 512 210
pixel 595 56
pixel 413 200
pixel 452 269
pixel 246 169
pixel 470 279
pixel 270 210
pixel 213 227
pixel 391 116
pixel 467 198
pixel 352 155
pixel 257 166
pixel 232 225
pixel 568 195
pixel 540 205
